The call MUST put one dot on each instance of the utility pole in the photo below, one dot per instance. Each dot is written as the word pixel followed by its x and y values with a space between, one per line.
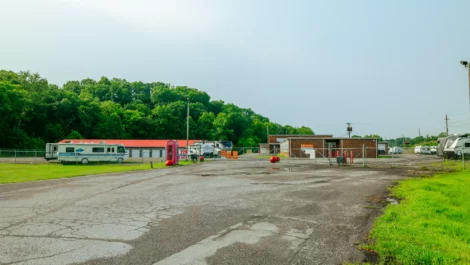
pixel 447 125
pixel 419 132
pixel 349 129
pixel 187 128
pixel 465 64
pixel 403 138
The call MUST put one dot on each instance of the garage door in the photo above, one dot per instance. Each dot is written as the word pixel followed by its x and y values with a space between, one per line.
pixel 135 153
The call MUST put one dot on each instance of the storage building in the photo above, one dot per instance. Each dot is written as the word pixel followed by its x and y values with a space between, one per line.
pixel 301 147
pixel 274 140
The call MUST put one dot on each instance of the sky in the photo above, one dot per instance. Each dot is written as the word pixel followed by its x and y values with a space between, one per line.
pixel 388 67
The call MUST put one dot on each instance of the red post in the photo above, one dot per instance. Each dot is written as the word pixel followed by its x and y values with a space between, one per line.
pixel 345 156
pixel 351 158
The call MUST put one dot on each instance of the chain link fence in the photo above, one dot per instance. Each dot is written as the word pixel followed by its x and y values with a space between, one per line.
pixel 18 156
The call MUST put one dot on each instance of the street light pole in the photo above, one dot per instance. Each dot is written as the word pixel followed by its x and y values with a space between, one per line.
pixel 187 128
pixel 465 64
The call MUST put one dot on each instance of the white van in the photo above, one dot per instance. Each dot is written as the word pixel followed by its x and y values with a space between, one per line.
pixel 84 153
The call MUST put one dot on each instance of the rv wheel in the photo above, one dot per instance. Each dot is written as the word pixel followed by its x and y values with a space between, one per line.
pixel 119 160
pixel 84 161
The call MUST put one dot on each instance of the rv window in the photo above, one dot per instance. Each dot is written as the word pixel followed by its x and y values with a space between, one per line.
pixel 98 149
pixel 112 150
pixel 467 144
pixel 121 149
pixel 55 148
pixel 69 150
pixel 109 149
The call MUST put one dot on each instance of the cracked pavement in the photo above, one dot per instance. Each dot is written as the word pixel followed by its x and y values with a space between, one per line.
pixel 224 212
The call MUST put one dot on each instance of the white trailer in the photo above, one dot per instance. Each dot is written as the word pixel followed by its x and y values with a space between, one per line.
pixel 90 152
pixel 418 149
pixel 457 148
pixel 51 151
pixel 211 148
pixel 395 150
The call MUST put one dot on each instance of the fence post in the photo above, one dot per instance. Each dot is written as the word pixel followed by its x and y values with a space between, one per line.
pixel 463 157
pixel 15 156
pixel 329 155
pixel 363 154
pixel 35 154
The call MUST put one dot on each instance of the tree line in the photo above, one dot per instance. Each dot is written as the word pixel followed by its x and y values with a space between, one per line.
pixel 428 140
pixel 34 112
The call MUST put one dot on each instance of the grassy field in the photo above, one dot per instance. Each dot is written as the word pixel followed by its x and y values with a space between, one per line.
pixel 430 225
pixel 12 173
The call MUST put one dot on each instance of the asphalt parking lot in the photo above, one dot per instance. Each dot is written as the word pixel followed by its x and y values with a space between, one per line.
pixel 225 212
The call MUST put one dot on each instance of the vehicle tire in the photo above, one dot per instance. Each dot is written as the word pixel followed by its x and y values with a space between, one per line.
pixel 84 161
pixel 120 160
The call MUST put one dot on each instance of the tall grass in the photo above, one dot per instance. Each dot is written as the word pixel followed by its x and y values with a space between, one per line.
pixel 431 224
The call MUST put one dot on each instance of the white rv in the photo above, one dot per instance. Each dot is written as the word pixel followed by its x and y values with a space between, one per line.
pixel 418 150
pixel 457 148
pixel 51 151
pixel 91 152
pixel 425 150
pixel 395 150
pixel 211 148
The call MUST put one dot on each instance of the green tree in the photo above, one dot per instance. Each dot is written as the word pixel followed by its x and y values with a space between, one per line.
pixel 374 136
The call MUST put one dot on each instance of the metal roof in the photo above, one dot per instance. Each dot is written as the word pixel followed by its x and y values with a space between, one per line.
pixel 131 142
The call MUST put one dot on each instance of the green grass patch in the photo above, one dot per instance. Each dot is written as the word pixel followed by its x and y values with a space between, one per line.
pixel 385 156
pixel 449 165
pixel 12 173
pixel 431 224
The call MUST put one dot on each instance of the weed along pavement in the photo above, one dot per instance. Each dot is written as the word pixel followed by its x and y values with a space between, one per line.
pixel 224 212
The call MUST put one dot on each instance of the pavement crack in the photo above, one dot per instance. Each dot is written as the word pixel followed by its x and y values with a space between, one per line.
pixel 45 257
pixel 70 238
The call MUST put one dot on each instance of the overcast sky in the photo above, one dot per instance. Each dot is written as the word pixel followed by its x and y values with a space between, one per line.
pixel 389 67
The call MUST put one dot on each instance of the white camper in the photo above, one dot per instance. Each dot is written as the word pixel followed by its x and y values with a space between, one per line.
pixel 91 152
pixel 425 150
pixel 211 148
pixel 457 148
pixel 51 151
pixel 395 150
pixel 418 150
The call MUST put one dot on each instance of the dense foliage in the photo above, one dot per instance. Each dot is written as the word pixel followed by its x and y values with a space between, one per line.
pixel 34 112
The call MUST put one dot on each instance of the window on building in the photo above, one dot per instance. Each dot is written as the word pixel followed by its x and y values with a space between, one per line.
pixel 109 149
pixel 98 149
pixel 69 149
pixel 161 153
pixel 467 144
pixel 150 153
pixel 55 148
pixel 112 149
